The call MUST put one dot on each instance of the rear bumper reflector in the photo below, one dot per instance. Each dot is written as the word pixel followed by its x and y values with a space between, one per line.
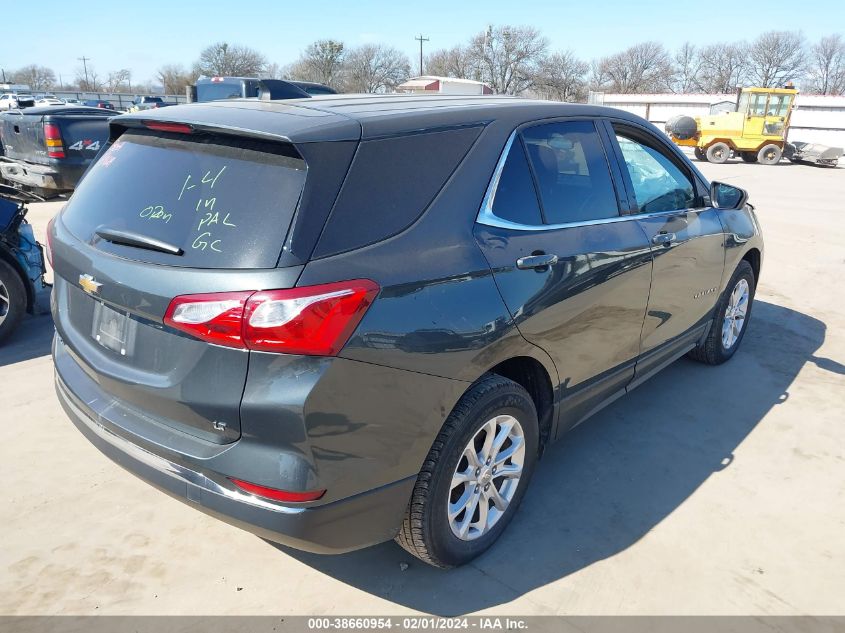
pixel 278 495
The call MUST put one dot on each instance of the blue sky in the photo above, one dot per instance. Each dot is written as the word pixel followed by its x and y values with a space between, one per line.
pixel 143 35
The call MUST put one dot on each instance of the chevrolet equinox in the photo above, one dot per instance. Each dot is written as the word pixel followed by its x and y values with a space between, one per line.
pixel 342 320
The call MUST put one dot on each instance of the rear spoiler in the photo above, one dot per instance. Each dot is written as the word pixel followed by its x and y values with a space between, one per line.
pixel 268 120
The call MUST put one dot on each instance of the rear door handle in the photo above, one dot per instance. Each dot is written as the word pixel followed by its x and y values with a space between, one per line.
pixel 663 239
pixel 535 261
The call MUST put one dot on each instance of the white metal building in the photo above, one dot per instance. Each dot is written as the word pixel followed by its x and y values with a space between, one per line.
pixel 432 84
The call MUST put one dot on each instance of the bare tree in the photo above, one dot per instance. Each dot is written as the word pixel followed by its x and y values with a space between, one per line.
pixel 644 67
pixel 224 60
pixel 88 81
pixel 147 87
pixel 562 77
pixel 723 67
pixel 116 80
pixel 687 68
pixel 274 71
pixel 827 66
pixel 776 57
pixel 174 78
pixel 452 62
pixel 597 78
pixel 508 57
pixel 375 68
pixel 36 77
pixel 321 61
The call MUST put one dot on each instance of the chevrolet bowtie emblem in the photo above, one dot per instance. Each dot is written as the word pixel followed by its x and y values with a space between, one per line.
pixel 89 285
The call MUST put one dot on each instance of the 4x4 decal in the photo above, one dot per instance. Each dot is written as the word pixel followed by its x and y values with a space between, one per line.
pixel 86 144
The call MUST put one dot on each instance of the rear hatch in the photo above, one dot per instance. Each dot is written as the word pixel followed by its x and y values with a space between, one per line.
pixel 163 214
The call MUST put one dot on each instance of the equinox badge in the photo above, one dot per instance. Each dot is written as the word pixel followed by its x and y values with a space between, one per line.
pixel 89 285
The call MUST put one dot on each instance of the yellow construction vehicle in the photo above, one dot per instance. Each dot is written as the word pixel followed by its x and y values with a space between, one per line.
pixel 755 131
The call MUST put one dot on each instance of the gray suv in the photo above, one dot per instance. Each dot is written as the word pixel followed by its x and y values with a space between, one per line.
pixel 341 320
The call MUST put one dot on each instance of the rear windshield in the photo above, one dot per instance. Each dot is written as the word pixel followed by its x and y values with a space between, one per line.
pixel 224 203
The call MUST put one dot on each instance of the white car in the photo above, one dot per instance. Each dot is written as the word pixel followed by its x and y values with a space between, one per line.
pixel 14 101
pixel 49 100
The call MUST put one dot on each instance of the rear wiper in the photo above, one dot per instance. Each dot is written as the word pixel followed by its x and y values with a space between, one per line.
pixel 127 238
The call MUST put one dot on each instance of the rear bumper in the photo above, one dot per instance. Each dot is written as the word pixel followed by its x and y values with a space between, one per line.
pixel 341 526
pixel 41 176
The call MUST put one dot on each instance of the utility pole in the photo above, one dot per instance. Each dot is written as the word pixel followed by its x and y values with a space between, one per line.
pixel 85 61
pixel 488 41
pixel 421 39
pixel 4 74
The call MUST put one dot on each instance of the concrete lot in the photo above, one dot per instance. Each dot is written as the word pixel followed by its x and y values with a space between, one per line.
pixel 709 490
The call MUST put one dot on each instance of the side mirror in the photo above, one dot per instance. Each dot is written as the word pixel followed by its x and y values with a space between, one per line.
pixel 724 196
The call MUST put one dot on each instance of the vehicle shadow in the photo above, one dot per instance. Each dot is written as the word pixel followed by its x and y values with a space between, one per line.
pixel 31 340
pixel 612 479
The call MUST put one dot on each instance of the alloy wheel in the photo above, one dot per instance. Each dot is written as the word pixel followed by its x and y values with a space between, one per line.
pixel 486 477
pixel 5 302
pixel 735 314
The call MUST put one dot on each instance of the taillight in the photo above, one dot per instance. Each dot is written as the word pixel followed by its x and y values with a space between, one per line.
pixel 53 141
pixel 313 320
pixel 215 317
pixel 277 495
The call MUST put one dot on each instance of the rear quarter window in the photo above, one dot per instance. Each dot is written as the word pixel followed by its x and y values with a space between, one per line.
pixel 227 203
pixel 390 184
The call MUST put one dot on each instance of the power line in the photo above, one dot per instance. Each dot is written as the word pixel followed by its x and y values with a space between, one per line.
pixel 421 39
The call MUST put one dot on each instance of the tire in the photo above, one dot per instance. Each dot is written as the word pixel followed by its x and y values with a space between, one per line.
pixel 769 154
pixel 748 157
pixel 718 348
pixel 699 154
pixel 427 531
pixel 718 153
pixel 12 300
pixel 682 127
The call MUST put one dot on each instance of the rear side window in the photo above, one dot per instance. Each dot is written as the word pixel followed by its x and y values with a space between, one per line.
pixel 572 173
pixel 390 184
pixel 224 203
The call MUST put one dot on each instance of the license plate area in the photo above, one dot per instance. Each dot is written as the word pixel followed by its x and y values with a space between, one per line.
pixel 114 329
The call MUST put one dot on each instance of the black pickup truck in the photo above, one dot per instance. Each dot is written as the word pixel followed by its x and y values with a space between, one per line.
pixel 46 150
